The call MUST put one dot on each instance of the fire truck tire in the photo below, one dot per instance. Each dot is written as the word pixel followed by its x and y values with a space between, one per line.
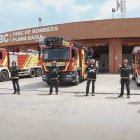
pixel 134 76
pixel 38 72
pixel 32 73
pixel 138 84
pixel 77 79
pixel 48 82
pixel 4 76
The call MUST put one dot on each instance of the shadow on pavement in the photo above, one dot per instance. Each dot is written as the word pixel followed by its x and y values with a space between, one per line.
pixel 106 93
pixel 23 89
pixel 7 88
pixel 48 94
pixel 68 85
pixel 34 90
pixel 75 92
pixel 5 93
pixel 80 96
pixel 139 111
pixel 43 94
pixel 134 86
pixel 78 92
pixel 112 98
pixel 134 103
pixel 34 85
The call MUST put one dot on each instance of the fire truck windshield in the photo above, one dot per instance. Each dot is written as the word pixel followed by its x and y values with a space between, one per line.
pixel 57 54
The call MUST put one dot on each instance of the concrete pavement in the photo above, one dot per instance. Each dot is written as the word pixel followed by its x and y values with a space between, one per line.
pixel 35 115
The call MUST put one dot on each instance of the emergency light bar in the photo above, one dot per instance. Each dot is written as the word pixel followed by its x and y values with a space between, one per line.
pixel 53 41
pixel 58 40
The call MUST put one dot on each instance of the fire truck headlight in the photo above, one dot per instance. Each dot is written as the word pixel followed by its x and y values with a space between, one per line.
pixel 44 76
pixel 72 73
pixel 69 76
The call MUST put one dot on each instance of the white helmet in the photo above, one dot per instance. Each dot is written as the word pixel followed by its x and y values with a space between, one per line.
pixel 54 62
pixel 125 61
pixel 92 60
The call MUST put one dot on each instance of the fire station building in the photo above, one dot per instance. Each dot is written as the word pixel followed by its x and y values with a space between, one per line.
pixel 111 40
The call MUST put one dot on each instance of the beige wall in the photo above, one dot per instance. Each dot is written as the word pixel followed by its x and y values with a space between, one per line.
pixel 116 28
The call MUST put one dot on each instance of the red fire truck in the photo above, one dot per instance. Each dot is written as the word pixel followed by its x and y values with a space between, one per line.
pixel 136 65
pixel 28 63
pixel 71 58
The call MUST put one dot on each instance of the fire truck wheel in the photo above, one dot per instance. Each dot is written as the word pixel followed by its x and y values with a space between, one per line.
pixel 4 76
pixel 138 84
pixel 38 73
pixel 77 80
pixel 32 73
pixel 134 76
pixel 48 82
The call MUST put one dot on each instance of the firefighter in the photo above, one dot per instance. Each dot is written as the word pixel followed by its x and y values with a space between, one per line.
pixel 91 71
pixel 15 77
pixel 125 71
pixel 54 77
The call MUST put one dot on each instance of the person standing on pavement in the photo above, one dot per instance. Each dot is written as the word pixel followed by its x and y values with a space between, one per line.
pixel 15 77
pixel 54 77
pixel 125 71
pixel 91 71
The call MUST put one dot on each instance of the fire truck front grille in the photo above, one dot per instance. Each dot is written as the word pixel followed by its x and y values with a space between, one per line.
pixel 60 67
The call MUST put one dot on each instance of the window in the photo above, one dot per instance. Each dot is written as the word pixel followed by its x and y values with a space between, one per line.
pixel 57 54
pixel 127 50
pixel 74 53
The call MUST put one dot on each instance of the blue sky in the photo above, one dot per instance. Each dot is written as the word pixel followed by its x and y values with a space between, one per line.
pixel 20 14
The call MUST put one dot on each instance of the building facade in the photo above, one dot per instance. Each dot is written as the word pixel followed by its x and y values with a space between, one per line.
pixel 111 40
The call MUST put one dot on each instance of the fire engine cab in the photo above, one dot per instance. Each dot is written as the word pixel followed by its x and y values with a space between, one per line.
pixel 136 65
pixel 71 58
pixel 28 63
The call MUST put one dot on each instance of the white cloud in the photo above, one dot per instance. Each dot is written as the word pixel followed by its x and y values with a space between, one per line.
pixel 29 6
pixel 24 13
pixel 105 9
pixel 132 4
pixel 58 5
pixel 80 9
pixel 15 7
pixel 73 9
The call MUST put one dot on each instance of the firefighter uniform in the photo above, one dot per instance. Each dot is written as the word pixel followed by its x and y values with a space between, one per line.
pixel 15 77
pixel 91 71
pixel 54 77
pixel 125 71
